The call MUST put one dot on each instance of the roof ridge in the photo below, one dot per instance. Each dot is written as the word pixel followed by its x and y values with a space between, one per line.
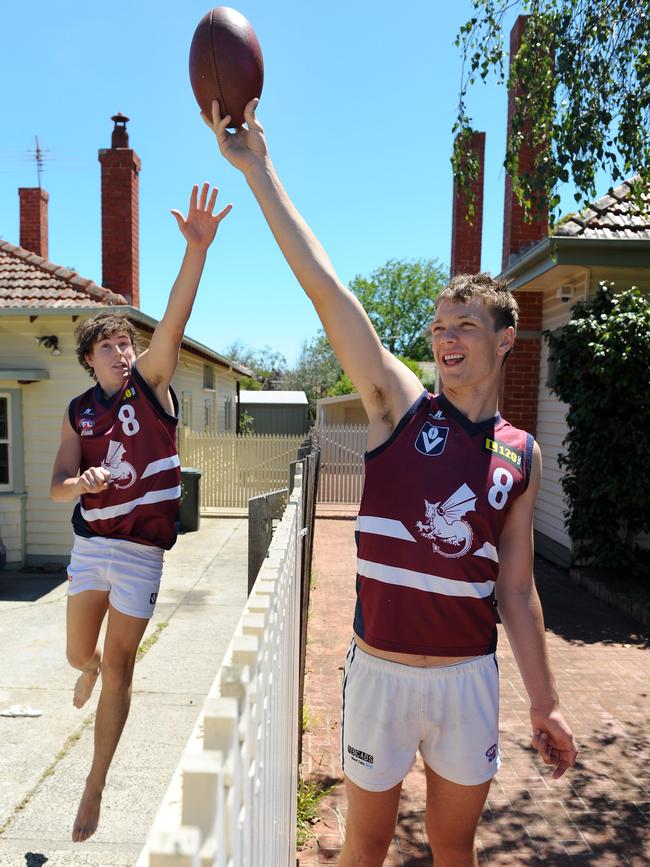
pixel 85 284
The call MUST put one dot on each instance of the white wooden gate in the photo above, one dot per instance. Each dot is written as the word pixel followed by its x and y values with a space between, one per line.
pixel 236 468
pixel 342 468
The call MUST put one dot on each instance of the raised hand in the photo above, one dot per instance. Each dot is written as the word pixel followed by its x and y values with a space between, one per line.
pixel 244 148
pixel 200 226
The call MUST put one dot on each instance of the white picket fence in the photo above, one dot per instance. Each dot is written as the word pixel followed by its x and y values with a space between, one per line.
pixel 236 468
pixel 342 468
pixel 232 800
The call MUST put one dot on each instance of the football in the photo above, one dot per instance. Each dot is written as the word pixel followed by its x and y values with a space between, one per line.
pixel 225 63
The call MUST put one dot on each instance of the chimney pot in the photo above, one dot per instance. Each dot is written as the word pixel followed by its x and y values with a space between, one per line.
pixel 120 136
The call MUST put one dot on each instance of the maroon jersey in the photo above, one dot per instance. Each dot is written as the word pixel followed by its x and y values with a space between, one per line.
pixel 131 435
pixel 435 499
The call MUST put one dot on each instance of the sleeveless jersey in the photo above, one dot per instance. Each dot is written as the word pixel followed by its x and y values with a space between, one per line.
pixel 435 500
pixel 131 435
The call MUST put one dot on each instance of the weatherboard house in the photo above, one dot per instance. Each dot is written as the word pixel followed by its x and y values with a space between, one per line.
pixel 549 271
pixel 41 304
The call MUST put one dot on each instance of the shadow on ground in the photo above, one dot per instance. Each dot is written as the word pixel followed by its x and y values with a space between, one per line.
pixel 607 805
pixel 28 586
pixel 579 617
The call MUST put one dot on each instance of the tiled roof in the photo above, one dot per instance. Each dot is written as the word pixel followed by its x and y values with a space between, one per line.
pixel 28 280
pixel 612 217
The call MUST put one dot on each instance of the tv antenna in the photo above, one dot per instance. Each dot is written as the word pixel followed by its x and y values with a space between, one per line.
pixel 39 155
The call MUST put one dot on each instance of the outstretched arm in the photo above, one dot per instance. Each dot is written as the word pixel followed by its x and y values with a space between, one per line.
pixel 387 388
pixel 157 363
pixel 521 613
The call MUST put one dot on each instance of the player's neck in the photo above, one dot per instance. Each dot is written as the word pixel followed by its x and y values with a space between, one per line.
pixel 477 403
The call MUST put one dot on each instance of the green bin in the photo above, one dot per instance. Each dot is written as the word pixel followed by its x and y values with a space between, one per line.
pixel 189 509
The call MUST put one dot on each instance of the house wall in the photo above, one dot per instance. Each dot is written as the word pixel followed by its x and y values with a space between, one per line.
pixel 342 413
pixel 205 410
pixel 551 537
pixel 35 529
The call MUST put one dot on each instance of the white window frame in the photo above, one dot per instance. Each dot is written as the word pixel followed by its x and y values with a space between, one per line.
pixel 208 378
pixel 8 486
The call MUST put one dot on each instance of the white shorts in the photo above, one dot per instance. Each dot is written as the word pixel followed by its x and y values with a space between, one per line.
pixel 129 572
pixel 390 711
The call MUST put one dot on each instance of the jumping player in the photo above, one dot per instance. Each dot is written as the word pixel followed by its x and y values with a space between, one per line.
pixel 118 455
pixel 444 530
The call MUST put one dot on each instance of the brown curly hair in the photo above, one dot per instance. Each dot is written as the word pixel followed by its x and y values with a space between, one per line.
pixel 492 292
pixel 103 325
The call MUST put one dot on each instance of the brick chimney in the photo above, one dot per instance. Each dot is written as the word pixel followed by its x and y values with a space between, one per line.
pixel 33 219
pixel 465 236
pixel 517 233
pixel 120 247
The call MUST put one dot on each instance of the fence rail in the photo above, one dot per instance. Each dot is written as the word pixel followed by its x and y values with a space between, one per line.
pixel 232 801
pixel 236 468
pixel 342 470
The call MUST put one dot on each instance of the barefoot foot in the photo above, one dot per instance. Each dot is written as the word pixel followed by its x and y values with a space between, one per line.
pixel 85 824
pixel 84 687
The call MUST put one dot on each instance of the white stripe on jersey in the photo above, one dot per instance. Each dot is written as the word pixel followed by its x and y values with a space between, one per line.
pixel 163 464
pixel 423 580
pixel 384 527
pixel 488 551
pixel 125 508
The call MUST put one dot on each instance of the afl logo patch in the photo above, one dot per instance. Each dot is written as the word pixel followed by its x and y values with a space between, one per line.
pixel 491 754
pixel 431 440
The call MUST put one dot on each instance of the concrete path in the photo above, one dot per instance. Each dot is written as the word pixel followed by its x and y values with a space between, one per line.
pixel 44 761
pixel 598 814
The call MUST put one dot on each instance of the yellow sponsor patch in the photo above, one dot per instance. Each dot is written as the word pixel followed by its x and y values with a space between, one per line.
pixel 506 452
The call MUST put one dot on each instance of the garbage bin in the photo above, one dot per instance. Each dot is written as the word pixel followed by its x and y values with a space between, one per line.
pixel 189 510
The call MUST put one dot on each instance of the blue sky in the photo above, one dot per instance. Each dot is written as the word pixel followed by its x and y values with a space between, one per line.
pixel 358 104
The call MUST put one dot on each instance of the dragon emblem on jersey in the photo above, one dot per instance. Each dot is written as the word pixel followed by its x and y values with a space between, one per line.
pixel 123 474
pixel 445 524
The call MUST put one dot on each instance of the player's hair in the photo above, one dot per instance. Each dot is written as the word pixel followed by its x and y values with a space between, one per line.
pixel 494 293
pixel 103 325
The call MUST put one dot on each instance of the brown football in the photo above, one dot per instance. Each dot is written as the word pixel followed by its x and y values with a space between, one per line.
pixel 225 63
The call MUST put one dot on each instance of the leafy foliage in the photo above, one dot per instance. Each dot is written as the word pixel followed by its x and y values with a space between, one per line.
pixel 583 73
pixel 344 385
pixel 316 370
pixel 399 298
pixel 602 359
pixel 267 364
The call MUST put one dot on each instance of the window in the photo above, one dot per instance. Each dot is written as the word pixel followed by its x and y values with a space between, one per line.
pixel 209 416
pixel 6 481
pixel 228 422
pixel 186 408
pixel 208 377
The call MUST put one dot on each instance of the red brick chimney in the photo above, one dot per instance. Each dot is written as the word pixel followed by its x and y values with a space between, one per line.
pixel 517 233
pixel 33 219
pixel 120 247
pixel 466 236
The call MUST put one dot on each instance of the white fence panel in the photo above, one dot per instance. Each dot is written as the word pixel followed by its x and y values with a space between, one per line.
pixel 235 468
pixel 342 468
pixel 232 801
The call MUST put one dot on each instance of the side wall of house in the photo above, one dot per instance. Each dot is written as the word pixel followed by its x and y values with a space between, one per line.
pixel 205 409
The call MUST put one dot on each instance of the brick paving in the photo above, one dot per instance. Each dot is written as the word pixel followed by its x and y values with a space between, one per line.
pixel 598 814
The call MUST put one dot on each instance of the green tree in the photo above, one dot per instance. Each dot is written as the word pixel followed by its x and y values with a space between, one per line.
pixel 316 370
pixel 268 365
pixel 583 73
pixel 399 298
pixel 344 385
pixel 602 370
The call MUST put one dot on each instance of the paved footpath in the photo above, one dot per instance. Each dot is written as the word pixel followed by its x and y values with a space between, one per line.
pixel 598 814
pixel 44 761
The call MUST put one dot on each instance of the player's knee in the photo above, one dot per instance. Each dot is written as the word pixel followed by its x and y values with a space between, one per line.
pixel 116 675
pixel 78 658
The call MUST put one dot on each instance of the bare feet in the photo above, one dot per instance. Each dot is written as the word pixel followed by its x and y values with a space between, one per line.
pixel 87 818
pixel 84 687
